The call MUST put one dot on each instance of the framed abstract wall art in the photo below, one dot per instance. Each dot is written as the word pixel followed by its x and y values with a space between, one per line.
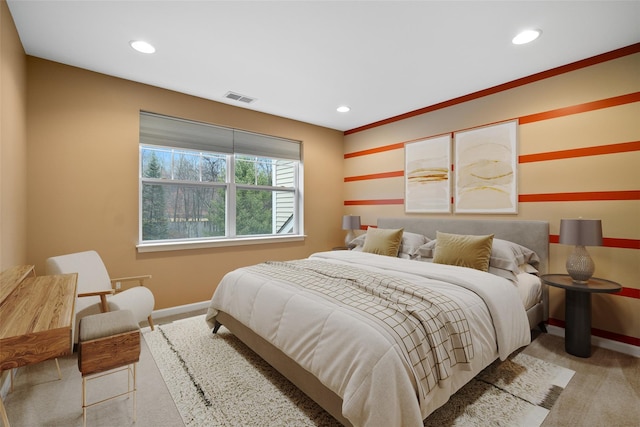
pixel 486 169
pixel 427 169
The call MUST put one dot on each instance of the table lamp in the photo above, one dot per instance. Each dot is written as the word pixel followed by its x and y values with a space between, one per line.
pixel 580 232
pixel 350 222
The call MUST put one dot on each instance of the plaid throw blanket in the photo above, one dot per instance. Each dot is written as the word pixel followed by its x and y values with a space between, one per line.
pixel 427 324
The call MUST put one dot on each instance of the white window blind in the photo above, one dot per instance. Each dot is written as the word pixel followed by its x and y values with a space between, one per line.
pixel 156 129
pixel 254 144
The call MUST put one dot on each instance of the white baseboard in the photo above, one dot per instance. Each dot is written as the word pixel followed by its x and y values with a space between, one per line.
pixel 180 309
pixel 620 347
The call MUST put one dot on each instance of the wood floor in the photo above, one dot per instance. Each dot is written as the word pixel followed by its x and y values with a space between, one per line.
pixel 605 391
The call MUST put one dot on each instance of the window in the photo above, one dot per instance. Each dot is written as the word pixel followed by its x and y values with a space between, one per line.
pixel 201 183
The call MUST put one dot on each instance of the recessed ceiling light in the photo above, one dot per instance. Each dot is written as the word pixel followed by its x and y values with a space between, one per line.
pixel 343 109
pixel 142 46
pixel 526 36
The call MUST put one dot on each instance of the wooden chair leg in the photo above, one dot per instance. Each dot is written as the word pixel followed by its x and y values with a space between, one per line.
pixel 135 388
pixel 3 414
pixel 84 402
pixel 150 320
pixel 58 368
pixel 104 305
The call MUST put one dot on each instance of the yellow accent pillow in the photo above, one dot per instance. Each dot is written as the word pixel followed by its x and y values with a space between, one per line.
pixel 383 241
pixel 463 251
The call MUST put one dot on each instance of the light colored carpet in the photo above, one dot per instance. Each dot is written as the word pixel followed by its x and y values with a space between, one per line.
pixel 216 380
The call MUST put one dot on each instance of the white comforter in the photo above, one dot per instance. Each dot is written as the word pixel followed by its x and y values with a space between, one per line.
pixel 357 359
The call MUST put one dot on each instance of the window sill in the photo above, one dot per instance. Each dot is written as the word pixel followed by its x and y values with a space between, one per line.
pixel 202 244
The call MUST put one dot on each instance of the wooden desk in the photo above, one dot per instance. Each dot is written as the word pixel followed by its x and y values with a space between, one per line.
pixel 37 315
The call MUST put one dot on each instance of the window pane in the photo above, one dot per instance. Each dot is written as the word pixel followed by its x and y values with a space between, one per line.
pixel 283 214
pixel 183 165
pixel 182 212
pixel 285 173
pixel 186 166
pixel 265 171
pixel 214 167
pixel 156 162
pixel 254 170
pixel 264 212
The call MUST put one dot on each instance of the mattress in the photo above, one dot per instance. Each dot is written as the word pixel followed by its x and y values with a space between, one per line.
pixel 530 289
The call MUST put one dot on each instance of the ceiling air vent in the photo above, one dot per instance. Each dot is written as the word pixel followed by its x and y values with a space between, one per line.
pixel 239 98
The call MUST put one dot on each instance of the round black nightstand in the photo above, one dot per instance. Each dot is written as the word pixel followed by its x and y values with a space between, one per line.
pixel 578 309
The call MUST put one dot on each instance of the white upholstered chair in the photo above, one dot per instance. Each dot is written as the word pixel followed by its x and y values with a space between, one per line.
pixel 96 293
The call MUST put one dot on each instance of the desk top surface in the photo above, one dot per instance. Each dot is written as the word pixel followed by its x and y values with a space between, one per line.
pixel 38 304
pixel 12 277
pixel 36 317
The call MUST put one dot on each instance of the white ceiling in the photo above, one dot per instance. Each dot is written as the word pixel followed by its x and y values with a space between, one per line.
pixel 302 59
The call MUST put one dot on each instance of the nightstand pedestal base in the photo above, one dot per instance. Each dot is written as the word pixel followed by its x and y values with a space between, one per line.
pixel 578 323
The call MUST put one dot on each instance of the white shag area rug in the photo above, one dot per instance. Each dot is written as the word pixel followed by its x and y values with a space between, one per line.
pixel 215 380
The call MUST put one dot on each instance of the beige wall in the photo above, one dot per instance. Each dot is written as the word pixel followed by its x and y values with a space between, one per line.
pixel 13 144
pixel 83 179
pixel 599 173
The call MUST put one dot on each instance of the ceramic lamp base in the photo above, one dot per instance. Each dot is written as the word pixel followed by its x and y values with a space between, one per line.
pixel 580 266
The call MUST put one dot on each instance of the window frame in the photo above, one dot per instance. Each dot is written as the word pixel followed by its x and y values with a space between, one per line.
pixel 231 188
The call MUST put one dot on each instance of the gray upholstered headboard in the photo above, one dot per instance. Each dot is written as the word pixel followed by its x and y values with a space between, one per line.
pixel 531 234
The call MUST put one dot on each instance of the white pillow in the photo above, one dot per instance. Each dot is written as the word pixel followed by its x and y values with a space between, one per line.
pixel 426 251
pixel 528 268
pixel 509 256
pixel 358 242
pixel 410 243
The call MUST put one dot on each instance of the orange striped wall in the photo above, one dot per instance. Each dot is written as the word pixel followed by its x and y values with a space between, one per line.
pixel 579 155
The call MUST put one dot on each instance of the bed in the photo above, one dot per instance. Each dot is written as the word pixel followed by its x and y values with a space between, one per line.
pixel 363 366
